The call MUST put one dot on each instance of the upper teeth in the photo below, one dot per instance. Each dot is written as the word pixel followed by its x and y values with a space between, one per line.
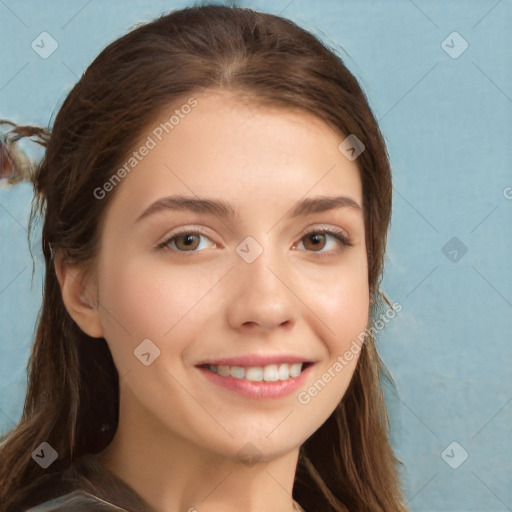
pixel 272 372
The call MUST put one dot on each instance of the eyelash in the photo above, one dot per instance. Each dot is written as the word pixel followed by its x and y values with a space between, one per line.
pixel 335 233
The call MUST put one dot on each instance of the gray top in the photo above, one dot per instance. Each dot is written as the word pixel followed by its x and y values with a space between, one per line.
pixel 81 501
pixel 76 501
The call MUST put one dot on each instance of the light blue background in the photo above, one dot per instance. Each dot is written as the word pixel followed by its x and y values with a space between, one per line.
pixel 447 125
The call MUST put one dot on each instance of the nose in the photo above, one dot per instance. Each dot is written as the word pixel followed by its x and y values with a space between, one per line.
pixel 262 296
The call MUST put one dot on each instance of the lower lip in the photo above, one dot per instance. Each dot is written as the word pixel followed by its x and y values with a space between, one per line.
pixel 259 389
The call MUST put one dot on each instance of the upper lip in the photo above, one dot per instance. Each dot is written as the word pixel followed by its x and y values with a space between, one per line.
pixel 256 360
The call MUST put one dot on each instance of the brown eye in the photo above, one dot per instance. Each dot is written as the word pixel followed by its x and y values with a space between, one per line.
pixel 191 241
pixel 317 241
pixel 186 241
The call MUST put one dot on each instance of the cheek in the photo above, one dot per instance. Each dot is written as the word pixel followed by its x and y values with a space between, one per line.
pixel 141 301
pixel 341 300
pixel 348 307
pixel 345 307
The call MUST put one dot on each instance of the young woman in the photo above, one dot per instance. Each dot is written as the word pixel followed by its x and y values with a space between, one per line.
pixel 216 196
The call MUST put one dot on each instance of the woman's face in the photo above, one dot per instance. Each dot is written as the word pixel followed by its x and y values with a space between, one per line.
pixel 212 252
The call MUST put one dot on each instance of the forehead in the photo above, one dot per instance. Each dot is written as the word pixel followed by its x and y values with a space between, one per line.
pixel 232 147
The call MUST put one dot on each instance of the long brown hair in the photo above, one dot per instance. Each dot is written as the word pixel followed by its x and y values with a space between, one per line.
pixel 72 396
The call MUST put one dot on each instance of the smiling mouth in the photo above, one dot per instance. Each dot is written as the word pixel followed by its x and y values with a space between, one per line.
pixel 269 373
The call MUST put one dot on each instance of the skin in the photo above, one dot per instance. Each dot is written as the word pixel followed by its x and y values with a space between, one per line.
pixel 179 436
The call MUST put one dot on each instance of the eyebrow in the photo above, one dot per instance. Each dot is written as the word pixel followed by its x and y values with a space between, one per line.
pixel 225 209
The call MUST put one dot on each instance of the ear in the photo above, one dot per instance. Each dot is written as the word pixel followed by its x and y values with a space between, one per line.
pixel 78 296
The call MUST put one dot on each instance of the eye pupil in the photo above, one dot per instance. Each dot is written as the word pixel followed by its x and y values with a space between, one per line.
pixel 316 238
pixel 188 240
